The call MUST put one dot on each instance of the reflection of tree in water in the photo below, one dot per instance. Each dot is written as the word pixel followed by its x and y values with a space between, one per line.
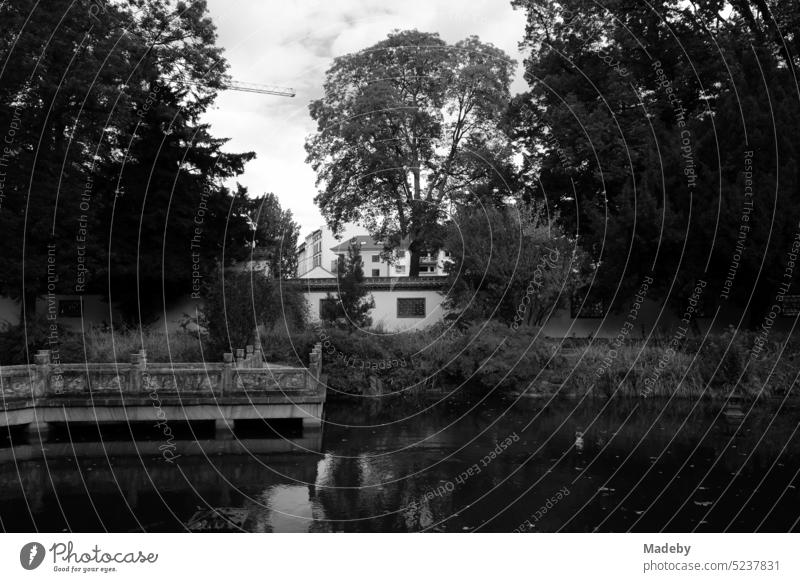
pixel 374 497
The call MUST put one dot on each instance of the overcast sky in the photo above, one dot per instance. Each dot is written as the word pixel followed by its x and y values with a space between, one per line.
pixel 292 43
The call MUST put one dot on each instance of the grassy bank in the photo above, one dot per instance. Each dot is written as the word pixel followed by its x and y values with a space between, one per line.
pixel 492 356
pixel 18 345
pixel 734 364
pixel 482 357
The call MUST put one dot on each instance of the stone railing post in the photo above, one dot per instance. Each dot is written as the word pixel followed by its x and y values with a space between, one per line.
pixel 239 358
pixel 258 352
pixel 227 373
pixel 318 349
pixel 312 367
pixel 138 372
pixel 315 367
pixel 249 356
pixel 41 382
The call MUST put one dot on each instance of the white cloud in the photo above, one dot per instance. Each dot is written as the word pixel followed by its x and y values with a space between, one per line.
pixel 292 44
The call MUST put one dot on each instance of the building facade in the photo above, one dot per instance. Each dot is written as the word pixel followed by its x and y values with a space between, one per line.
pixel 378 262
pixel 315 254
pixel 401 303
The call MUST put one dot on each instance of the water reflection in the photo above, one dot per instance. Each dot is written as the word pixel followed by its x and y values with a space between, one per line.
pixel 628 465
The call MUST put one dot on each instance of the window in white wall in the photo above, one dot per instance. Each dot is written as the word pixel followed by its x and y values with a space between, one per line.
pixel 411 307
pixel 376 272
pixel 327 305
pixel 69 307
pixel 400 268
pixel 376 258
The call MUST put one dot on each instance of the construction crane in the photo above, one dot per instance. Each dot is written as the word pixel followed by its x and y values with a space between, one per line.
pixel 257 88
pixel 250 87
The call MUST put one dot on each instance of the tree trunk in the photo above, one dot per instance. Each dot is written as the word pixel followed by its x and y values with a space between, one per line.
pixel 763 299
pixel 28 306
pixel 413 259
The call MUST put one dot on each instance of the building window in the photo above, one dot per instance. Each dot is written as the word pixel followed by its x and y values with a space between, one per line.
pixel 401 254
pixel 69 308
pixel 376 258
pixel 586 308
pixel 327 305
pixel 400 269
pixel 411 307
pixel 376 272
pixel 317 260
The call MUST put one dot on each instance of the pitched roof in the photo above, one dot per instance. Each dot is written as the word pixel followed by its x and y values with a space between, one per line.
pixel 365 242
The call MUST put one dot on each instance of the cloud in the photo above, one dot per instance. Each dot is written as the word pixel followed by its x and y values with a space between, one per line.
pixel 292 44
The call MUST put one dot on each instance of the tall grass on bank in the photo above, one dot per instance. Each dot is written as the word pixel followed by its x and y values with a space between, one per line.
pixel 376 361
pixel 17 345
pixel 483 356
pixel 117 346
pixel 720 366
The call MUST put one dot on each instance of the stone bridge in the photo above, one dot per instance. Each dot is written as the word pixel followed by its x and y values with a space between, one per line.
pixel 239 388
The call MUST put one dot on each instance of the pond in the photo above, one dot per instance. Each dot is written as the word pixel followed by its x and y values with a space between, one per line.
pixel 497 465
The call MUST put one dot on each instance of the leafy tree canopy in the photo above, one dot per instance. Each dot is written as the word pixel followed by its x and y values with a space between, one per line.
pixel 406 127
pixel 637 127
pixel 111 184
pixel 512 264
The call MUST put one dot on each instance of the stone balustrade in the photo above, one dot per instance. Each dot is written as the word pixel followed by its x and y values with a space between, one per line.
pixel 193 390
pixel 243 374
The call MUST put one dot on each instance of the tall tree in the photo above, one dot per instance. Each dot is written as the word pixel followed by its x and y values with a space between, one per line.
pixel 275 232
pixel 406 127
pixel 109 163
pixel 238 304
pixel 637 127
pixel 511 264
pixel 350 307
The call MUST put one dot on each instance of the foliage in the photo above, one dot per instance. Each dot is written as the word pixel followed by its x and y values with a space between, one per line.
pixel 237 303
pixel 275 232
pixel 112 183
pixel 351 306
pixel 98 345
pixel 117 346
pixel 405 127
pixel 491 354
pixel 18 343
pixel 636 128
pixel 512 265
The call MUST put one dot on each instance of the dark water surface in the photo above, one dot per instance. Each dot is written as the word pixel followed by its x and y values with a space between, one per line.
pixel 565 465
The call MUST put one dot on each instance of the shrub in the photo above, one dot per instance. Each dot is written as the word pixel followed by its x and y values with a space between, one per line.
pixel 239 303
pixel 722 361
pixel 21 341
pixel 116 346
pixel 350 308
pixel 495 353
